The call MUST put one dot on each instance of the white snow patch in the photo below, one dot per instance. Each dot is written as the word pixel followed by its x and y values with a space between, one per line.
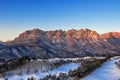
pixel 108 71
pixel 64 68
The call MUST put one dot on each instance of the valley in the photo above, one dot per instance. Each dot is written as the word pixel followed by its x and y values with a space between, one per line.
pixel 58 55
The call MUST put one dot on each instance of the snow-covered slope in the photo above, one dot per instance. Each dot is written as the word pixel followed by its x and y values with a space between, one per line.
pixel 108 71
pixel 30 70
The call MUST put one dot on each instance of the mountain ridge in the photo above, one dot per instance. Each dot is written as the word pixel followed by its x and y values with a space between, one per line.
pixel 59 43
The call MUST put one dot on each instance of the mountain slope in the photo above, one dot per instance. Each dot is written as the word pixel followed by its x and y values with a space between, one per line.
pixel 59 43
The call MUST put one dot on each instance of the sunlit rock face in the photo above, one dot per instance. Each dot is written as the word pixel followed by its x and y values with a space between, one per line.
pixel 59 43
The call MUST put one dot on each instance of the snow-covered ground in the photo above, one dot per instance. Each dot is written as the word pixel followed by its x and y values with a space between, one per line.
pixel 108 71
pixel 64 68
pixel 41 68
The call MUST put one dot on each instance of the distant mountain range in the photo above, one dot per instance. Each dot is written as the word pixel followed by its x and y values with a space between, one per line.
pixel 59 43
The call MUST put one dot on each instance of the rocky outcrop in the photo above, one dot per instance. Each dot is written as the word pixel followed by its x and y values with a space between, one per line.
pixel 72 43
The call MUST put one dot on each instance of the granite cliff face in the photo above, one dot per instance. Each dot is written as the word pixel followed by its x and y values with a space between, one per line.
pixel 59 43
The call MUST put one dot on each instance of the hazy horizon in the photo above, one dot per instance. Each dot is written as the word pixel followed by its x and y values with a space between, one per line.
pixel 17 16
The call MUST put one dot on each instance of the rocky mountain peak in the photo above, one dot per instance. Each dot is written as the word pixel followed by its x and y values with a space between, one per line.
pixel 30 34
pixel 59 43
pixel 71 32
pixel 55 33
pixel 110 34
pixel 82 33
pixel 88 32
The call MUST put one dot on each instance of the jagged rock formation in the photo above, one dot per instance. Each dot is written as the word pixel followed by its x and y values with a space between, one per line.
pixel 59 43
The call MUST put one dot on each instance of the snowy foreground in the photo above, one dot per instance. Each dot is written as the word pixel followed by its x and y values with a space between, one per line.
pixel 42 69
pixel 108 71
pixel 63 68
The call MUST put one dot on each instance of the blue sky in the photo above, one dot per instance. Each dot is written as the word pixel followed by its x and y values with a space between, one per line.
pixel 16 16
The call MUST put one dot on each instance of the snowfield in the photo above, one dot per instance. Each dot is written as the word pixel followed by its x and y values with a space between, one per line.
pixel 108 71
pixel 41 68
pixel 64 68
